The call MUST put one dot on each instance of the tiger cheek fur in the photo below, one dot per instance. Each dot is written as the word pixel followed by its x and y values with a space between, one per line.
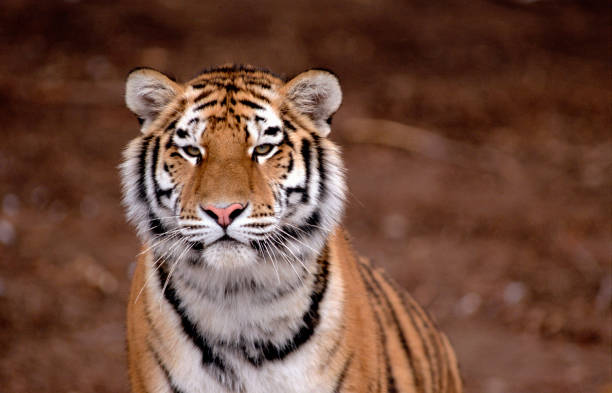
pixel 247 282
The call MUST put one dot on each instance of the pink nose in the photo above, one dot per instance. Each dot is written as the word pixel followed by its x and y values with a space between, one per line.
pixel 225 215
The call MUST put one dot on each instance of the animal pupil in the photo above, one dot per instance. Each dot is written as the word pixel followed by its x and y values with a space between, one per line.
pixel 192 151
pixel 263 149
pixel 247 282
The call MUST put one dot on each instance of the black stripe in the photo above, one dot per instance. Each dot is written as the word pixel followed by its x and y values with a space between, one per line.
pixel 292 190
pixel 296 121
pixel 246 136
pixel 156 334
pixel 171 125
pixel 272 131
pixel 181 133
pixel 290 166
pixel 258 96
pixel 209 358
pixel 142 167
pixel 203 95
pixel 321 167
pixel 236 68
pixel 305 150
pixel 170 141
pixel 383 337
pixel 310 226
pixel 288 125
pixel 231 88
pixel 343 373
pixel 162 366
pixel 155 225
pixel 418 374
pixel 286 139
pixel 413 312
pixel 205 105
pixel 310 320
pixel 263 85
pixel 159 192
pixel 250 104
pixel 154 158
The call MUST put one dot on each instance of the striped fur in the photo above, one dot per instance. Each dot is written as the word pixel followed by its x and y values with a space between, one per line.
pixel 277 301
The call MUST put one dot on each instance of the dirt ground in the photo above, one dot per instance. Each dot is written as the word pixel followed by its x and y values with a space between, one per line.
pixel 476 136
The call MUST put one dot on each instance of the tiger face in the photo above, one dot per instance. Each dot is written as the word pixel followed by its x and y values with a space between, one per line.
pixel 233 168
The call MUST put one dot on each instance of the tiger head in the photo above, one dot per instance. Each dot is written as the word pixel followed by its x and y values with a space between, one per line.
pixel 234 167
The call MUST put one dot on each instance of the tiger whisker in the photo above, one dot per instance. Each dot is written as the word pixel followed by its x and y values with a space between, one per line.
pixel 176 262
pixel 287 259
pixel 294 256
pixel 159 239
pixel 156 266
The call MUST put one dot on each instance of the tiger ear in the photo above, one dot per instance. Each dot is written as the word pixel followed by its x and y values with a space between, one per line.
pixel 316 94
pixel 147 92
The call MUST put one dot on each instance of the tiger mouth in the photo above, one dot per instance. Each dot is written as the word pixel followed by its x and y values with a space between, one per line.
pixel 225 239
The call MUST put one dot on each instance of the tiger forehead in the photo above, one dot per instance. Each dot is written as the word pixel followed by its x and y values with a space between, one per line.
pixel 236 79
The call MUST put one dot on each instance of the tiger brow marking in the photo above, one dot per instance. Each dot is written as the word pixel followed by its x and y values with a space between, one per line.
pixel 258 96
pixel 271 130
pixel 296 121
pixel 250 104
pixel 204 95
pixel 263 85
pixel 171 125
pixel 205 105
pixel 288 125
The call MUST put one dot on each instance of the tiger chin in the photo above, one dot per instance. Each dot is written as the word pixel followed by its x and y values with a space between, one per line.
pixel 246 282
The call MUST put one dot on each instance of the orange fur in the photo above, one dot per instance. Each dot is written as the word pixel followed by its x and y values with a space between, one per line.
pixel 367 335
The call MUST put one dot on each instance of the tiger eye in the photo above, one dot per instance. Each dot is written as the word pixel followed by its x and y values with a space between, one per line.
pixel 263 149
pixel 192 151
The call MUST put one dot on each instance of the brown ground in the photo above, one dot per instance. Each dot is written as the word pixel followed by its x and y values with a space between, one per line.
pixel 492 204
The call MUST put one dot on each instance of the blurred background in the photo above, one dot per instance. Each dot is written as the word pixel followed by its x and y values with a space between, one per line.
pixel 479 153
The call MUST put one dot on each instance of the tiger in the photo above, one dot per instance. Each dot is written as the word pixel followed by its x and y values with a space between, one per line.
pixel 247 281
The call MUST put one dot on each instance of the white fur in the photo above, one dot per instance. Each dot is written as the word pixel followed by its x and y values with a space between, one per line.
pixel 316 94
pixel 147 92
pixel 202 286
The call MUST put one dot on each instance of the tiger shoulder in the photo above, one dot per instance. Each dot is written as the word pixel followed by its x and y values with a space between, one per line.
pixel 246 282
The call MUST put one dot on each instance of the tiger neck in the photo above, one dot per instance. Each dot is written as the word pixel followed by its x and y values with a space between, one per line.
pixel 273 302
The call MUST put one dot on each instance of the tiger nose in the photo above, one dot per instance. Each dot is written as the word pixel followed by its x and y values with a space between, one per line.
pixel 224 215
